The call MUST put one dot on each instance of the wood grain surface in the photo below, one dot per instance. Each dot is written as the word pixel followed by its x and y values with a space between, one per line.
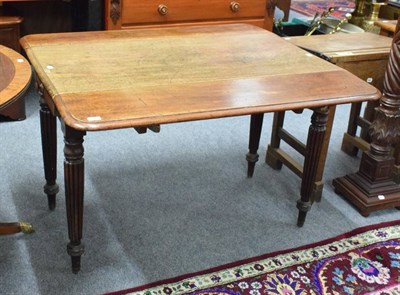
pixel 345 47
pixel 116 79
pixel 15 75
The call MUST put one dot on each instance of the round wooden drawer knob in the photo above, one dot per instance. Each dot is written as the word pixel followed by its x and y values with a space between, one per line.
pixel 235 6
pixel 162 9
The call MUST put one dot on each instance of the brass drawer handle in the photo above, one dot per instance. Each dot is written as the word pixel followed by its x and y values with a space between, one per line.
pixel 235 6
pixel 162 9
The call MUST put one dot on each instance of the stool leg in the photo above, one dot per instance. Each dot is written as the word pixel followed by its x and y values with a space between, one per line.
pixel 256 122
pixel 271 159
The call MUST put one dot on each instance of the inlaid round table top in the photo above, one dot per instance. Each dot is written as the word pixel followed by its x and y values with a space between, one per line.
pixel 15 75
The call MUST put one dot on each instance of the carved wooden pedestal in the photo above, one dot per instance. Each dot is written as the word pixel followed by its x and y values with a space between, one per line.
pixel 372 187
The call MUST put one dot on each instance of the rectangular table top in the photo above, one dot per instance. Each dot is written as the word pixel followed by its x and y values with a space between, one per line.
pixel 131 78
pixel 345 46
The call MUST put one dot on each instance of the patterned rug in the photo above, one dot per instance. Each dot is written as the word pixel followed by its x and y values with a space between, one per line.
pixel 363 261
pixel 309 8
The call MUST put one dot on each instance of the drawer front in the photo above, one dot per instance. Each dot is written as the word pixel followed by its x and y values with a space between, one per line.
pixel 372 71
pixel 166 11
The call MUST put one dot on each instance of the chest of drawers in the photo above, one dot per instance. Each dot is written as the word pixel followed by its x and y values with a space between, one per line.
pixel 125 14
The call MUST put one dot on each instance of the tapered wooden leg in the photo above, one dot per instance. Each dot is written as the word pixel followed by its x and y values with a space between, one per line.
pixel 74 185
pixel 48 126
pixel 315 140
pixel 256 122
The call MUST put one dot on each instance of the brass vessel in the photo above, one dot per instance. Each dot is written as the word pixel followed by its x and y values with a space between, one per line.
pixel 374 7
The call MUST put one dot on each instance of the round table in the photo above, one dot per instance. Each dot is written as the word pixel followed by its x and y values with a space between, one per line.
pixel 15 76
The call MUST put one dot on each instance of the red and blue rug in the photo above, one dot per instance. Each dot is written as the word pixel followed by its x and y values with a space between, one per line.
pixel 309 8
pixel 363 261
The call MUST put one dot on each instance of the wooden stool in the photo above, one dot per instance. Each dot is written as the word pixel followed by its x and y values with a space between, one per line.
pixel 15 76
pixel 363 54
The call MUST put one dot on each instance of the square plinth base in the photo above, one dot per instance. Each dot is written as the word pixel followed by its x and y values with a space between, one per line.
pixel 361 200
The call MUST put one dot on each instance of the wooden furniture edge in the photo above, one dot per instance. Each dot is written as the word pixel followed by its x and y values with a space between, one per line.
pixel 24 70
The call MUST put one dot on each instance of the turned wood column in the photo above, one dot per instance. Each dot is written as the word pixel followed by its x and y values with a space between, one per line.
pixel 372 187
pixel 74 186
pixel 48 125
pixel 313 156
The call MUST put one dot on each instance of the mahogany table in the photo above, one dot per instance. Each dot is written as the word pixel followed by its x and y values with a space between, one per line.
pixel 98 81
pixel 15 75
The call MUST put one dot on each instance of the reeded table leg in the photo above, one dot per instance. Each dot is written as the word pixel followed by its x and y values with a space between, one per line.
pixel 48 126
pixel 74 185
pixel 254 142
pixel 315 140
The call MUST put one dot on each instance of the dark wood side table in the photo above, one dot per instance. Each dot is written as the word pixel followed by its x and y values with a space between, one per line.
pixel 15 76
